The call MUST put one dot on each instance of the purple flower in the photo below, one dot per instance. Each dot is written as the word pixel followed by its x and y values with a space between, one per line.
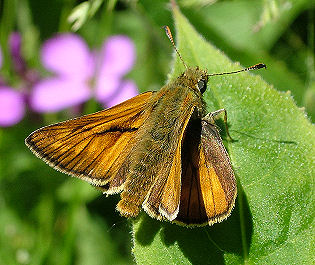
pixel 12 105
pixel 81 74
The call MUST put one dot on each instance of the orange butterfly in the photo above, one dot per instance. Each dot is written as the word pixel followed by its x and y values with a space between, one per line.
pixel 159 150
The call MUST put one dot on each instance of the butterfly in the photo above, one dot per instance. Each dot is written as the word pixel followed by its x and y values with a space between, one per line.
pixel 160 150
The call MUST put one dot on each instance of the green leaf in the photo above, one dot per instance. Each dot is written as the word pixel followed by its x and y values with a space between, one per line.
pixel 273 158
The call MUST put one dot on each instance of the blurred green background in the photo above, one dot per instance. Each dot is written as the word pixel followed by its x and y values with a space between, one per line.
pixel 49 218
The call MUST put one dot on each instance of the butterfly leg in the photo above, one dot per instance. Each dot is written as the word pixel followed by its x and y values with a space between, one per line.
pixel 212 116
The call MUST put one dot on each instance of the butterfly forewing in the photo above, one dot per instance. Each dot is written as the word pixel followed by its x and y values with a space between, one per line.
pixel 163 198
pixel 94 146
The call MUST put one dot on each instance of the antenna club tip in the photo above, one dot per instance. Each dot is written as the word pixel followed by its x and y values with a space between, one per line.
pixel 260 66
pixel 167 30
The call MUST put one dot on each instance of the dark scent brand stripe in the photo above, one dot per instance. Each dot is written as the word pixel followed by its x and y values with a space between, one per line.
pixel 117 129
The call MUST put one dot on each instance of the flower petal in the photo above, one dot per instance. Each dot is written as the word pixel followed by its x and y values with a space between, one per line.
pixel 106 87
pixel 55 94
pixel 68 55
pixel 127 89
pixel 117 56
pixel 12 106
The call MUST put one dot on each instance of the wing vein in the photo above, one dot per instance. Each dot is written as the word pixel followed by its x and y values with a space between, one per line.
pixel 71 160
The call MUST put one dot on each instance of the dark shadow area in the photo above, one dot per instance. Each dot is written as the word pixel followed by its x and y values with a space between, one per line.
pixel 148 229
pixel 24 193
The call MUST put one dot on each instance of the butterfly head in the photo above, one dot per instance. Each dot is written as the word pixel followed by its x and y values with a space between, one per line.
pixel 197 78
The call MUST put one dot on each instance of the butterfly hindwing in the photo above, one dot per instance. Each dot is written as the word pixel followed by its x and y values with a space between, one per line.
pixel 208 184
pixel 217 173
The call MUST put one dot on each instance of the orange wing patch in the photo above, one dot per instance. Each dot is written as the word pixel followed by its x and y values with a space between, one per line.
pixel 170 199
pixel 212 192
pixel 94 146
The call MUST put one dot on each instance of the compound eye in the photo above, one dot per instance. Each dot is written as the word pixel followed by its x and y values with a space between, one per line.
pixel 202 85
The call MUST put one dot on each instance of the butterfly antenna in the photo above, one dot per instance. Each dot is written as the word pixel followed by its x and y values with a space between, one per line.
pixel 254 67
pixel 169 35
